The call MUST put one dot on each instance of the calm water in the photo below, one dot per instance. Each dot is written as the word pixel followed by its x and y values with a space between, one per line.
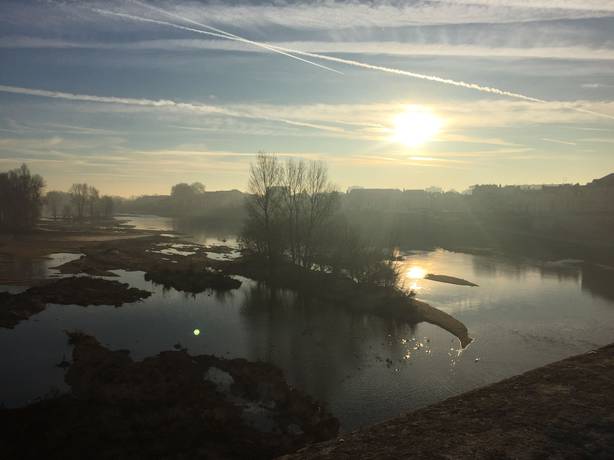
pixel 365 368
pixel 207 235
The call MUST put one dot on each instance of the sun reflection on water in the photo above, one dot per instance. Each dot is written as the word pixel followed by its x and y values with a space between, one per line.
pixel 416 273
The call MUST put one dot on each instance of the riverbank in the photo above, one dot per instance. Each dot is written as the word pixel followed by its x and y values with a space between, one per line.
pixel 172 405
pixel 562 410
pixel 77 290
pixel 58 236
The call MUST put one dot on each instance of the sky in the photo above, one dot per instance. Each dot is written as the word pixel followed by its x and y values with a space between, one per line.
pixel 134 96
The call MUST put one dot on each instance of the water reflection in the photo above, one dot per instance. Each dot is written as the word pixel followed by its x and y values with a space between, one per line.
pixel 599 281
pixel 366 368
pixel 16 271
pixel 415 273
pixel 211 233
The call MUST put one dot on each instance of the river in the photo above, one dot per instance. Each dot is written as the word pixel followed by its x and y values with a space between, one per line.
pixel 522 315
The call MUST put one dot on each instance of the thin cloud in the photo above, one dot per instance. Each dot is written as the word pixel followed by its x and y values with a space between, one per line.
pixel 389 48
pixel 434 78
pixel 325 14
pixel 558 141
pixel 448 81
pixel 161 104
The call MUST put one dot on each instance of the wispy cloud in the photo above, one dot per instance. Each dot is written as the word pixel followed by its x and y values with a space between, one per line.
pixel 351 62
pixel 558 141
pixel 328 14
pixel 599 140
pixel 596 85
pixel 159 104
pixel 351 121
pixel 391 48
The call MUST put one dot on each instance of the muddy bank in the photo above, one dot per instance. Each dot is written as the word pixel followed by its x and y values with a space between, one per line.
pixel 167 261
pixel 449 280
pixel 441 319
pixel 65 291
pixel 64 236
pixel 21 254
pixel 563 410
pixel 173 405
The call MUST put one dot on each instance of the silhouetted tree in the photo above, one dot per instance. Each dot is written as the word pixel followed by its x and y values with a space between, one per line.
pixel 309 202
pixel 93 199
pixel 293 181
pixel 321 201
pixel 187 199
pixel 67 211
pixel 20 199
pixel 79 196
pixel 289 208
pixel 108 206
pixel 293 212
pixel 53 200
pixel 262 231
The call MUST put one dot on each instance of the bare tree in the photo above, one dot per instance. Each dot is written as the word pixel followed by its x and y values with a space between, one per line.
pixel 321 200
pixel 265 179
pixel 289 208
pixel 79 196
pixel 108 206
pixel 53 200
pixel 293 180
pixel 93 198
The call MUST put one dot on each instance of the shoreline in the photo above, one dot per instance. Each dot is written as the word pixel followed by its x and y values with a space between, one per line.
pixel 561 410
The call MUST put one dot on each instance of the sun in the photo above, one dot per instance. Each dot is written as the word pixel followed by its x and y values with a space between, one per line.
pixel 415 126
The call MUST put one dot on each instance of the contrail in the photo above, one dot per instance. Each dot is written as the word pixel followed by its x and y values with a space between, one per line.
pixel 292 52
pixel 161 103
pixel 220 34
pixel 351 62
pixel 229 35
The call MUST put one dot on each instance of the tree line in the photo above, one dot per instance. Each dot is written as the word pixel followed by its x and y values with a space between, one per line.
pixel 80 202
pixel 22 201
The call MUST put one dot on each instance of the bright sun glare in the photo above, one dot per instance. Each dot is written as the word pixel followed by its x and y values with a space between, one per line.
pixel 415 126
pixel 416 273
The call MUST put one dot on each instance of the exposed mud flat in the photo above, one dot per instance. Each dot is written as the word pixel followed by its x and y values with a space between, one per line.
pixel 174 264
pixel 172 405
pixel 563 410
pixel 449 280
pixel 65 291
pixel 65 236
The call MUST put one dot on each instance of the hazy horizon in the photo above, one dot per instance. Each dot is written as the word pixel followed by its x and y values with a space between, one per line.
pixel 133 98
